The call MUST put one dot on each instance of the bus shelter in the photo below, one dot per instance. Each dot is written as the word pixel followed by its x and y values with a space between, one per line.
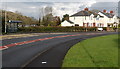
pixel 12 26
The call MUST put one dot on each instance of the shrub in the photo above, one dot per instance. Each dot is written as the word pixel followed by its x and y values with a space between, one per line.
pixel 105 28
pixel 55 29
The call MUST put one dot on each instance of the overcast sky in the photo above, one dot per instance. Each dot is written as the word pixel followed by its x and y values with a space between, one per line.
pixel 58 0
pixel 60 7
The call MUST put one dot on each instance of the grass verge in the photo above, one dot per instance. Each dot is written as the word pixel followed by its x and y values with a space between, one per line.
pixel 95 52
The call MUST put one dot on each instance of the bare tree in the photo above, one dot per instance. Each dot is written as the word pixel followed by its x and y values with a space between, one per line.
pixel 45 14
pixel 47 10
pixel 41 15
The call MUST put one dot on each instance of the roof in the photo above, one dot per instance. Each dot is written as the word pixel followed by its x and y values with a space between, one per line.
pixel 109 15
pixel 99 15
pixel 88 13
pixel 12 21
pixel 83 13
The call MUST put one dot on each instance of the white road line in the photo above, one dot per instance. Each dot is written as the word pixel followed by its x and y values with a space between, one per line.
pixel 44 62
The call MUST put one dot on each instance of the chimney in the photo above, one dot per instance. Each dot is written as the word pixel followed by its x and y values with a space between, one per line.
pixel 86 9
pixel 111 11
pixel 104 11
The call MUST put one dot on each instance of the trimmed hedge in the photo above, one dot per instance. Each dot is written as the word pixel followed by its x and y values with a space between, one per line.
pixel 118 29
pixel 56 29
pixel 105 28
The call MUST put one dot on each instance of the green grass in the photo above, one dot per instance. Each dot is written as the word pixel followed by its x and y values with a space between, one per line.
pixel 95 52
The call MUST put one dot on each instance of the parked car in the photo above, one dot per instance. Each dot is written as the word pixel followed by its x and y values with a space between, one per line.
pixel 100 29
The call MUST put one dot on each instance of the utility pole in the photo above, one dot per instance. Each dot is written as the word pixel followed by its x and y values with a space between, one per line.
pixel 6 17
pixel 5 22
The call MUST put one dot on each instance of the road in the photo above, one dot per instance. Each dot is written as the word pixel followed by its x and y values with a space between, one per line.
pixel 42 51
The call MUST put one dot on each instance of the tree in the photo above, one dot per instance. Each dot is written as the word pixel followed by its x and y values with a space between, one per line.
pixel 17 12
pixel 39 22
pixel 65 17
pixel 47 19
pixel 48 10
pixel 41 16
pixel 46 14
pixel 17 17
pixel 58 21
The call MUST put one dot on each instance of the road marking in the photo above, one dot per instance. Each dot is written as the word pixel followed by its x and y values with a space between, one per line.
pixel 31 41
pixel 36 57
pixel 3 47
pixel 44 62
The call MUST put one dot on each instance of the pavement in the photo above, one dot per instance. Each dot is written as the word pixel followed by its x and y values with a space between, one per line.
pixel 11 36
pixel 42 51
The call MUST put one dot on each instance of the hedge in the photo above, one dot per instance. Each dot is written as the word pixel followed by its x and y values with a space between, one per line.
pixel 56 29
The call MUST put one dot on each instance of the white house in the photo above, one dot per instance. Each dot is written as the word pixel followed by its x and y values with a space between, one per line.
pixel 109 19
pixel 88 18
pixel 67 23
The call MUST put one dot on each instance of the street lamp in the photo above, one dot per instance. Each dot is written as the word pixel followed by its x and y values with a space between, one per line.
pixel 5 14
pixel 5 22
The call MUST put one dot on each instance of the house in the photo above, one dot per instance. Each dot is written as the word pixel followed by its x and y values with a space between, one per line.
pixel 67 23
pixel 88 18
pixel 109 20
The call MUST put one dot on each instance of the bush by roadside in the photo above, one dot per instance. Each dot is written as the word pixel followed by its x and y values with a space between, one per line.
pixel 56 29
pixel 119 29
pixel 105 28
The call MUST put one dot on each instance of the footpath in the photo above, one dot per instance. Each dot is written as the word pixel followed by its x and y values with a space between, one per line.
pixel 11 36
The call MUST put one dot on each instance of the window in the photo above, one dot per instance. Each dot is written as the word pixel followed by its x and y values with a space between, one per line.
pixel 91 18
pixel 94 24
pixel 100 25
pixel 97 18
pixel 91 24
pixel 85 17
pixel 74 18
pixel 85 24
pixel 97 25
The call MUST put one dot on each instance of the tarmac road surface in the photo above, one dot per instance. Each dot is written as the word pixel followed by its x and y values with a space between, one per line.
pixel 41 51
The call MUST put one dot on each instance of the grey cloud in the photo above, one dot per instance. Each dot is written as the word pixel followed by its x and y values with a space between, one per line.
pixel 57 0
pixel 106 5
pixel 60 8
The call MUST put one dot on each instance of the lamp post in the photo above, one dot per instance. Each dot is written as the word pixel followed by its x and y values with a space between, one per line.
pixel 5 17
pixel 5 22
